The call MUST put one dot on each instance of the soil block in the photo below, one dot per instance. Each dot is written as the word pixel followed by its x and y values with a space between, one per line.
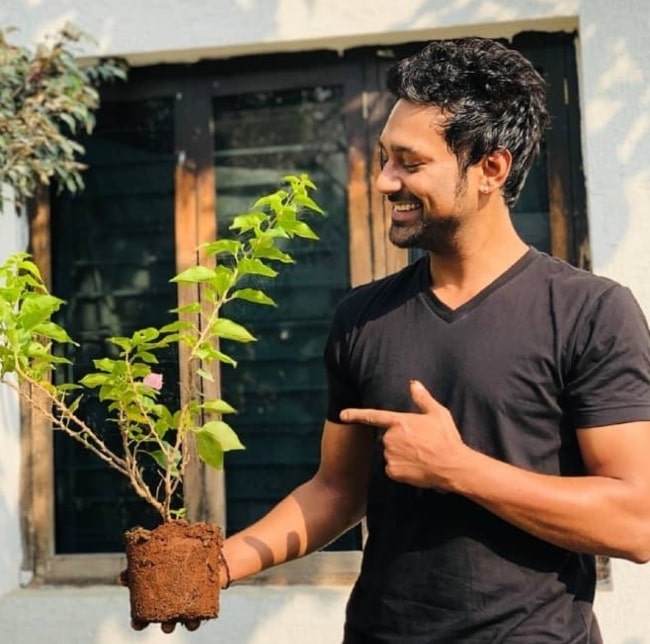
pixel 173 572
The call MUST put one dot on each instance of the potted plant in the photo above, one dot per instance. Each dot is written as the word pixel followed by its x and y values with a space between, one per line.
pixel 174 572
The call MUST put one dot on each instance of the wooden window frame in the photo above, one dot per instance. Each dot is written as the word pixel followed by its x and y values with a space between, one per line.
pixel 371 255
pixel 195 222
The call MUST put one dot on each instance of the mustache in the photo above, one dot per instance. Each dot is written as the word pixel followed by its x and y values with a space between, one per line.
pixel 402 196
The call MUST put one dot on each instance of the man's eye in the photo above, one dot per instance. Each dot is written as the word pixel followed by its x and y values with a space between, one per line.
pixel 411 167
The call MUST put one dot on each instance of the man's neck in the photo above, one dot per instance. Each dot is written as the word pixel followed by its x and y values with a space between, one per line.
pixel 473 263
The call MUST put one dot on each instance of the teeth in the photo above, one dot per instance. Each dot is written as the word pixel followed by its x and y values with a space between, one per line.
pixel 403 207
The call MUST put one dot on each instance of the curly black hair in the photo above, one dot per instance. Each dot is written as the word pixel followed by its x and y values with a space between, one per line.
pixel 492 97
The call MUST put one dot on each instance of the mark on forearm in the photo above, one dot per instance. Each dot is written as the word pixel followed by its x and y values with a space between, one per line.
pixel 265 553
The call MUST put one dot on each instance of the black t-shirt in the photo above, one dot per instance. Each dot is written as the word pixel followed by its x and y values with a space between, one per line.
pixel 543 351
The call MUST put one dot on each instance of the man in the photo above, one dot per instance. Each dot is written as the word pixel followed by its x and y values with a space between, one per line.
pixel 489 408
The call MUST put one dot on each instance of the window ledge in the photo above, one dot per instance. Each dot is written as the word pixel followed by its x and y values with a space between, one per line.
pixel 318 569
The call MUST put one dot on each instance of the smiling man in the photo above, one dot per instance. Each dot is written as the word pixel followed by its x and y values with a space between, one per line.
pixel 488 404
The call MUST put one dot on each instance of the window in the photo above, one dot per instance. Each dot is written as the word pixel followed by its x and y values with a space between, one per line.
pixel 176 153
pixel 279 385
pixel 111 262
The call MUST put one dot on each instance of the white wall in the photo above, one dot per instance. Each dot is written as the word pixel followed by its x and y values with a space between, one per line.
pixel 615 87
pixel 13 237
pixel 249 615
pixel 159 30
pixel 614 71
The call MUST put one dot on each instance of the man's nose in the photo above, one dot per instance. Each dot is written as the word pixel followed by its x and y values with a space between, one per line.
pixel 388 181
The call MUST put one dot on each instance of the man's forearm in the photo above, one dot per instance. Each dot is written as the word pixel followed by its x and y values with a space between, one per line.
pixel 592 514
pixel 308 519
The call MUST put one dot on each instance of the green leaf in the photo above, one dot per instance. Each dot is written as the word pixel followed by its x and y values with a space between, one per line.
pixel 173 327
pixel 110 392
pixel 218 407
pixel 54 331
pixel 164 462
pixel 224 279
pixel 249 221
pixel 213 439
pixel 298 181
pixel 29 266
pixel 69 121
pixel 209 452
pixel 225 358
pixel 147 357
pixel 271 252
pixel 224 434
pixel 144 335
pixel 92 380
pixel 309 203
pixel 159 457
pixel 255 267
pixel 74 405
pixel 274 233
pixel 194 275
pixel 227 246
pixel 229 330
pixel 104 364
pixel 273 201
pixel 67 386
pixel 54 359
pixel 205 374
pixel 192 307
pixel 253 295
pixel 123 343
pixel 37 309
pixel 300 229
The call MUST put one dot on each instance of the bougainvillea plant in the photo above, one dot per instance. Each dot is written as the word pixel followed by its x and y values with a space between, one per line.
pixel 47 98
pixel 129 383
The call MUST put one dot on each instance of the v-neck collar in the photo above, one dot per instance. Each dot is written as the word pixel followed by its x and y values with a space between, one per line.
pixel 451 315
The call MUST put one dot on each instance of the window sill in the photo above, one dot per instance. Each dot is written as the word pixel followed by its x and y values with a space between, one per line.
pixel 317 569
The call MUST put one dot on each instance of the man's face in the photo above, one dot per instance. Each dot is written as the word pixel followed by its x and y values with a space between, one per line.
pixel 420 177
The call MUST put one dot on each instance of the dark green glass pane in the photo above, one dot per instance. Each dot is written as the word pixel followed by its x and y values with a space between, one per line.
pixel 279 387
pixel 113 256
pixel 530 215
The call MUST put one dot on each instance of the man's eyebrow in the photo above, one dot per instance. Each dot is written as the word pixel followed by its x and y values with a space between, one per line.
pixel 399 149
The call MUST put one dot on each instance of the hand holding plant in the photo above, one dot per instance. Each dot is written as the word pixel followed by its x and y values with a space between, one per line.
pixel 47 98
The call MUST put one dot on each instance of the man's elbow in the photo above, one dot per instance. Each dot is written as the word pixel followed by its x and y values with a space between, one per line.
pixel 638 553
pixel 637 556
pixel 637 543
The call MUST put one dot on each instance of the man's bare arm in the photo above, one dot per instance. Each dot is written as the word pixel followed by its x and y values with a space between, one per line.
pixel 604 512
pixel 316 512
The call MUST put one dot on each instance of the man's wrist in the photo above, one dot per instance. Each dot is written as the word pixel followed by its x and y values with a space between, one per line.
pixel 224 573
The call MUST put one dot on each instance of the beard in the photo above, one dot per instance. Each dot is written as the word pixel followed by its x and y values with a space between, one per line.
pixel 434 235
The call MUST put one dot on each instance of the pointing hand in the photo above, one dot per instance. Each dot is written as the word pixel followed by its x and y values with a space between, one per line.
pixel 421 449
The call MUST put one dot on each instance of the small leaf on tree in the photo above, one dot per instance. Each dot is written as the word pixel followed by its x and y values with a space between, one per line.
pixel 229 330
pixel 253 295
pixel 194 275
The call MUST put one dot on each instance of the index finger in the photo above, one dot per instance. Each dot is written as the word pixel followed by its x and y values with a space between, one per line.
pixel 375 417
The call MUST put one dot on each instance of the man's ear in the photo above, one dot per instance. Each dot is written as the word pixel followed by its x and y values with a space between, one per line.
pixel 495 168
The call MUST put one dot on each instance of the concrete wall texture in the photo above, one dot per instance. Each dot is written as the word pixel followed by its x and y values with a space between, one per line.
pixel 614 74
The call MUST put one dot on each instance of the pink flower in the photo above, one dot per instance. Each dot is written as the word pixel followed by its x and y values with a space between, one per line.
pixel 154 380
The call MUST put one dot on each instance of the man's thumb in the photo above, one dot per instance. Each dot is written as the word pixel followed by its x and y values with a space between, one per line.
pixel 422 398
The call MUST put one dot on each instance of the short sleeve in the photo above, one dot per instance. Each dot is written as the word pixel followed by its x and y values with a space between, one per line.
pixel 609 379
pixel 342 392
